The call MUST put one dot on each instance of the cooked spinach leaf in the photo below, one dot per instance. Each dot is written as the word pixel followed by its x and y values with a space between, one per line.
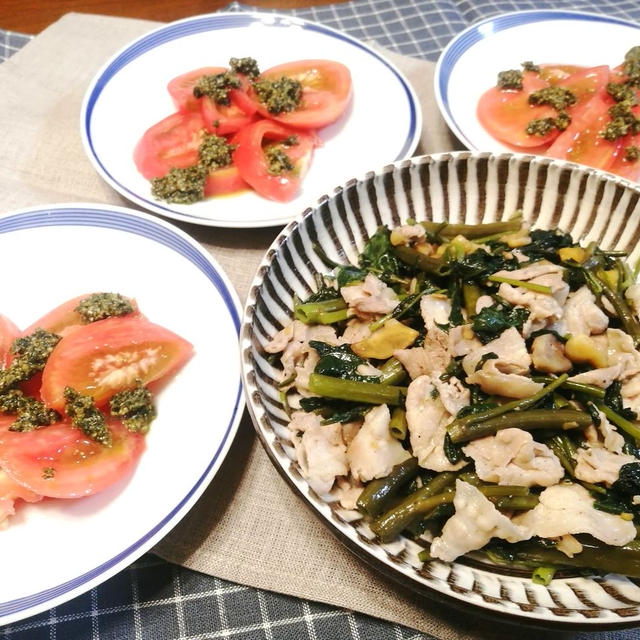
pixel 339 362
pixel 493 320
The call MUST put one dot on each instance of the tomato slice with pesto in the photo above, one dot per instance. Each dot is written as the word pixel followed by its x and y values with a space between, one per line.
pixel 107 356
pixel 326 91
pixel 505 113
pixel 64 318
pixel 181 88
pixel 8 333
pixel 223 181
pixel 60 461
pixel 257 153
pixel 223 120
pixel 172 142
pixel 582 141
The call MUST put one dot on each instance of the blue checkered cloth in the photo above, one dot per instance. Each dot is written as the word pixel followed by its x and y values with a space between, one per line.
pixel 155 600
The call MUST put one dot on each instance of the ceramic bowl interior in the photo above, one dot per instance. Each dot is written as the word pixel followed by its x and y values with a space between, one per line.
pixel 461 187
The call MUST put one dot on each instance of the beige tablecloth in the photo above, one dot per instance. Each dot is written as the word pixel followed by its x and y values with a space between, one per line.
pixel 248 527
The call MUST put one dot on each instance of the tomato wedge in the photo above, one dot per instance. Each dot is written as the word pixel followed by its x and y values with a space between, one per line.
pixel 223 181
pixel 8 333
pixel 250 159
pixel 505 114
pixel 326 91
pixel 60 461
pixel 629 169
pixel 222 120
pixel 172 142
pixel 10 491
pixel 181 88
pixel 64 318
pixel 107 356
pixel 582 142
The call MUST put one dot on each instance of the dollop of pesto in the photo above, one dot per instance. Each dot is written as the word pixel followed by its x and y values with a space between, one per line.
pixel 542 126
pixel 510 79
pixel 180 186
pixel 215 152
pixel 48 473
pixel 86 416
pixel 622 92
pixel 632 66
pixel 557 97
pixel 217 87
pixel 632 153
pixel 623 122
pixel 31 413
pixel 527 65
pixel 134 407
pixel 279 96
pixel 31 353
pixel 98 306
pixel 245 66
pixel 278 162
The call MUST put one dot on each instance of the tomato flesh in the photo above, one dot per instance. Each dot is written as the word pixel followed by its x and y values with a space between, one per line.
pixel 172 142
pixel 8 333
pixel 60 461
pixel 107 356
pixel 181 88
pixel 249 157
pixel 326 91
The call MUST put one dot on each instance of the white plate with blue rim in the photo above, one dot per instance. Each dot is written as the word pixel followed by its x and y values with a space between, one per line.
pixel 88 247
pixel 469 64
pixel 128 95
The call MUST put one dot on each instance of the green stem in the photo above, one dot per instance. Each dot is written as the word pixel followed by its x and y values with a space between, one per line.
pixel 369 392
pixel 472 231
pixel 526 420
pixel 413 257
pixel 392 372
pixel 627 426
pixel 398 424
pixel 325 312
pixel 532 286
pixel 580 387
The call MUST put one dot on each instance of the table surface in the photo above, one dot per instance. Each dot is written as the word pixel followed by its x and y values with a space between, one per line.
pixel 153 599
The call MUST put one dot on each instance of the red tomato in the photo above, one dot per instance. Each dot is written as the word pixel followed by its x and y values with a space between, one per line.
pixel 326 90
pixel 629 169
pixel 8 333
pixel 582 142
pixel 181 88
pixel 10 491
pixel 249 158
pixel 506 114
pixel 64 317
pixel 585 84
pixel 223 120
pixel 222 181
pixel 172 142
pixel 107 356
pixel 81 466
pixel 554 73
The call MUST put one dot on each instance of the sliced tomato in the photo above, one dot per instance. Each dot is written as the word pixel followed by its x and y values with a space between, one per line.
pixel 554 73
pixel 8 333
pixel 629 169
pixel 222 181
pixel 10 492
pixel 582 142
pixel 60 461
pixel 172 142
pixel 64 317
pixel 326 91
pixel 505 114
pixel 181 88
pixel 585 84
pixel 222 120
pixel 249 158
pixel 107 356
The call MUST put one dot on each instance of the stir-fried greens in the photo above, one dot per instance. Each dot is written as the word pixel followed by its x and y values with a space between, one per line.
pixel 476 388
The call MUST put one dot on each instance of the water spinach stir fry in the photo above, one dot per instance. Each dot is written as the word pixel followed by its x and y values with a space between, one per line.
pixel 476 388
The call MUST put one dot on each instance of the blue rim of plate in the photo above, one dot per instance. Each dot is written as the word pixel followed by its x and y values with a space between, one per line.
pixel 461 43
pixel 161 232
pixel 213 22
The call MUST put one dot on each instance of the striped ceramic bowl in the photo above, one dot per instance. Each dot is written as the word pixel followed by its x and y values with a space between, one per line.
pixel 458 187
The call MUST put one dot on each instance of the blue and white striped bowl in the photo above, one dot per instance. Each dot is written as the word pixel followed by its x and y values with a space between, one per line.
pixel 457 187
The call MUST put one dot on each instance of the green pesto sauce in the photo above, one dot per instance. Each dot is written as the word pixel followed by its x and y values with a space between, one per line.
pixel 48 473
pixel 557 97
pixel 217 87
pixel 622 92
pixel 215 152
pixel 542 126
pixel 632 66
pixel 245 66
pixel 86 416
pixel 98 306
pixel 180 186
pixel 278 162
pixel 527 65
pixel 623 122
pixel 31 413
pixel 279 96
pixel 134 407
pixel 510 79
pixel 632 153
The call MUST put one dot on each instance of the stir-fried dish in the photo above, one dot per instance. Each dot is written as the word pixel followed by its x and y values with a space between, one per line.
pixel 477 389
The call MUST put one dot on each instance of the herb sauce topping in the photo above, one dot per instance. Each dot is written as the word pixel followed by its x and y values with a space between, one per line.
pixel 278 96
pixel 86 416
